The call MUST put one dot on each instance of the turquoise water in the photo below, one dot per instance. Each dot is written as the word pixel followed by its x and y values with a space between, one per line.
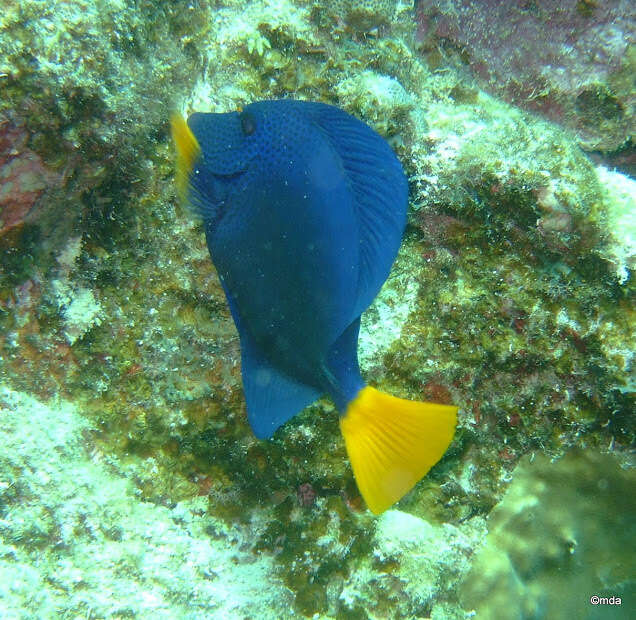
pixel 131 484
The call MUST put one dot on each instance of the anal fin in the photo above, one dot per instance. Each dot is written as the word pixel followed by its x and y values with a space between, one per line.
pixel 272 397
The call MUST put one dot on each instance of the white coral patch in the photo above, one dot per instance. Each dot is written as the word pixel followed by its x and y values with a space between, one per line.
pixel 621 216
pixel 79 309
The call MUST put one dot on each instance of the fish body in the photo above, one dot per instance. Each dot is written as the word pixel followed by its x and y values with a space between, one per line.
pixel 304 208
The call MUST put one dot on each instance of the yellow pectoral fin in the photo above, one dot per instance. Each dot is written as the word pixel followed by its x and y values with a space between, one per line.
pixel 188 150
pixel 392 443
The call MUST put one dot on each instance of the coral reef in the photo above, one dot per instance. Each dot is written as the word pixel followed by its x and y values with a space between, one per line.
pixel 413 566
pixel 571 61
pixel 76 540
pixel 512 296
pixel 621 221
pixel 381 99
pixel 562 533
pixel 361 16
pixel 83 104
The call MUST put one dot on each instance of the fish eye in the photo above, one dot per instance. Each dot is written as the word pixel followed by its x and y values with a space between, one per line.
pixel 247 123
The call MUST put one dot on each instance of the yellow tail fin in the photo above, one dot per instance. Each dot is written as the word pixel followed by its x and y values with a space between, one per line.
pixel 392 443
pixel 188 150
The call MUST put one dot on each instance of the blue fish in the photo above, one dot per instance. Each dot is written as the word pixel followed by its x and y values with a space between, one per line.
pixel 304 208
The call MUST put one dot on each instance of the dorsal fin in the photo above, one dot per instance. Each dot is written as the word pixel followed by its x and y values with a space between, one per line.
pixel 380 193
